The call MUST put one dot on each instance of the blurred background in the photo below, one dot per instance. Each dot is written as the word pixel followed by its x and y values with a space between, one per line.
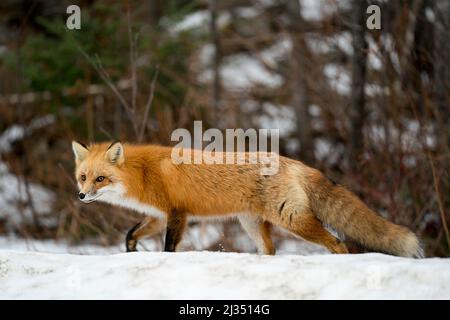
pixel 370 108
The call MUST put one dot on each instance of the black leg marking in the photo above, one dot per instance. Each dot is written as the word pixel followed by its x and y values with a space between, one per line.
pixel 130 242
pixel 281 207
pixel 290 218
pixel 169 245
pixel 175 226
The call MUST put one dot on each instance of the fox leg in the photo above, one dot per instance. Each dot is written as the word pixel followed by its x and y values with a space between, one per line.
pixel 307 226
pixel 259 231
pixel 176 223
pixel 146 228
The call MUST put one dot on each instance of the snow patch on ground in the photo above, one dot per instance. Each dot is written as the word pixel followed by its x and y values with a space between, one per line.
pixel 277 117
pixel 17 132
pixel 197 237
pixel 413 138
pixel 61 246
pixel 212 275
pixel 338 78
pixel 278 52
pixel 374 56
pixel 324 45
pixel 13 193
pixel 242 72
pixel 315 10
pixel 199 20
pixel 327 151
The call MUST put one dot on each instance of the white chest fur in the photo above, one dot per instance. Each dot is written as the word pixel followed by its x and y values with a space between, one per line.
pixel 115 195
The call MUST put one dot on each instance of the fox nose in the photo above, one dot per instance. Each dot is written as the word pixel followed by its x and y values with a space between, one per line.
pixel 81 195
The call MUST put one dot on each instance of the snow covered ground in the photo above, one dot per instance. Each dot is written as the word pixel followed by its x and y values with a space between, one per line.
pixel 48 269
pixel 219 275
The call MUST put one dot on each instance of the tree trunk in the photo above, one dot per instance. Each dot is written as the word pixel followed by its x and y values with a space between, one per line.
pixel 215 97
pixel 300 95
pixel 155 12
pixel 357 104
pixel 442 70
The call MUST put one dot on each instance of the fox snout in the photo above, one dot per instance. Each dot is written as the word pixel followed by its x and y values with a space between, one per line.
pixel 88 193
pixel 88 197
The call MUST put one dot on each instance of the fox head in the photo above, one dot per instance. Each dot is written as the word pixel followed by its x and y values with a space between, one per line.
pixel 97 169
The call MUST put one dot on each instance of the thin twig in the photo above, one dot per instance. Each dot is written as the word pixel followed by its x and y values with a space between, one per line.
pixel 149 104
pixel 68 177
pixel 129 110
pixel 107 79
pixel 103 130
pixel 132 63
pixel 438 196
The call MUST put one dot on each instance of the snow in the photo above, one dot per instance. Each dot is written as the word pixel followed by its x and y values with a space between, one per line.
pixel 318 10
pixel 241 72
pixel 292 146
pixel 314 110
pixel 338 78
pixel 277 116
pixel 413 138
pixel 247 12
pixel 62 246
pixel 214 275
pixel 372 90
pixel 326 151
pixel 323 45
pixel 315 10
pixel 199 20
pixel 343 41
pixel 12 193
pixel 318 44
pixel 206 55
pixel 197 237
pixel 12 187
pixel 191 21
pixel 429 14
pixel 277 52
pixel 17 132
pixel 374 57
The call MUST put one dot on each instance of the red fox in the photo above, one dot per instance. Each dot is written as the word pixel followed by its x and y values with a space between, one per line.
pixel 298 198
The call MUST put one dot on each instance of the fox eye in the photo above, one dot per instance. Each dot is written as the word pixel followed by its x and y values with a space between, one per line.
pixel 83 177
pixel 100 179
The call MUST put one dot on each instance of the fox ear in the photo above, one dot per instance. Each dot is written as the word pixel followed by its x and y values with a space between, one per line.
pixel 80 151
pixel 114 154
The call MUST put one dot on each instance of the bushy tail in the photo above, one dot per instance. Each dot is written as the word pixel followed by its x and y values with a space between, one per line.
pixel 335 205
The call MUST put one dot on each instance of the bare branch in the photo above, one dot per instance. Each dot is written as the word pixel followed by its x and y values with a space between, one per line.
pixel 438 196
pixel 107 79
pixel 148 105
pixel 132 63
